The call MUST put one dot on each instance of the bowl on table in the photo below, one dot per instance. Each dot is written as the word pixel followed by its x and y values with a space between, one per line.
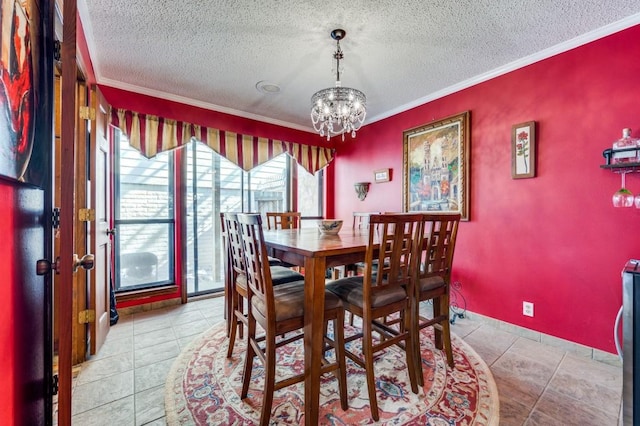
pixel 330 226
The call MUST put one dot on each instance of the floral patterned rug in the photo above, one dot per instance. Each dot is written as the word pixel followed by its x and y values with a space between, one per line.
pixel 203 387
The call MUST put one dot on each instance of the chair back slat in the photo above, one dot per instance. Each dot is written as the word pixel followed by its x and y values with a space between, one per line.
pixel 289 220
pixel 440 233
pixel 234 244
pixel 256 260
pixel 361 219
pixel 399 238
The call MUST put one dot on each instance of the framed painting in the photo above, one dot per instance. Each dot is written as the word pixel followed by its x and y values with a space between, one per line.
pixel 523 150
pixel 26 90
pixel 436 166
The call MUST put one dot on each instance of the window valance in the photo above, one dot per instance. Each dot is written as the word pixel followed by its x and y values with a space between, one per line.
pixel 151 135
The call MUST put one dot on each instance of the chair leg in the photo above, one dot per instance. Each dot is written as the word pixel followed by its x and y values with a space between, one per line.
pixel 446 330
pixel 232 334
pixel 249 356
pixel 437 309
pixel 367 351
pixel 269 378
pixel 338 338
pixel 415 331
pixel 411 349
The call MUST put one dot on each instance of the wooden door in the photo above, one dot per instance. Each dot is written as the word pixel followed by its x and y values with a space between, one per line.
pixel 100 281
pixel 82 223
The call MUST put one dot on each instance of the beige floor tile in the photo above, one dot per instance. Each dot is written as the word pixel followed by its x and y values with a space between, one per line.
pixel 151 324
pixel 561 407
pixel 464 327
pixel 526 370
pixel 512 413
pixel 97 393
pixel 587 390
pixel 120 412
pixel 149 405
pixel 537 418
pixel 157 353
pixel 517 389
pixel 152 375
pixel 490 343
pixel 604 374
pixel 548 355
pixel 120 330
pixel 159 422
pixel 192 328
pixel 102 368
pixel 114 347
pixel 185 341
pixel 187 317
pixel 154 338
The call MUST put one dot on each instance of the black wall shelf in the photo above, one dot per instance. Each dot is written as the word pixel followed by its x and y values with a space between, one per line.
pixel 620 167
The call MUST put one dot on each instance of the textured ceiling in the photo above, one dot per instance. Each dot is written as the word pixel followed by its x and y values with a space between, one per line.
pixel 399 53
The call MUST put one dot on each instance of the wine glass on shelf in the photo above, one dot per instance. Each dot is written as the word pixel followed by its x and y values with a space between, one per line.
pixel 623 197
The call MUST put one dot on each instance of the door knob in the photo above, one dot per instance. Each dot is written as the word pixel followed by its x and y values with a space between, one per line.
pixel 86 262
pixel 44 266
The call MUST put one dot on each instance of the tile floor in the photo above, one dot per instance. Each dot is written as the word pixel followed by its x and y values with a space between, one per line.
pixel 538 384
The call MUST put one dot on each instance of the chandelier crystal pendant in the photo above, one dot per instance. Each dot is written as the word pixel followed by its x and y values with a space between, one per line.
pixel 338 110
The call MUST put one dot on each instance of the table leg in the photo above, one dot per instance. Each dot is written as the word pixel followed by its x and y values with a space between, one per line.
pixel 314 277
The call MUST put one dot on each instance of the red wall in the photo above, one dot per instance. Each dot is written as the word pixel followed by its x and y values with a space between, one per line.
pixel 554 240
pixel 8 293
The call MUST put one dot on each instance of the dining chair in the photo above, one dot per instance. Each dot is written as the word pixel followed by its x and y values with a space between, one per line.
pixel 237 279
pixel 279 310
pixel 434 278
pixel 360 221
pixel 286 220
pixel 393 242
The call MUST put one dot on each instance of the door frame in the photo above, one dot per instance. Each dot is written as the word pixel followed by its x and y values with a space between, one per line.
pixel 67 206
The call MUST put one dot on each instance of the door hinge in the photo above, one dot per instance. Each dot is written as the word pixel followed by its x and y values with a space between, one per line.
pixel 87 113
pixel 57 48
pixel 54 385
pixel 87 316
pixel 55 218
pixel 86 215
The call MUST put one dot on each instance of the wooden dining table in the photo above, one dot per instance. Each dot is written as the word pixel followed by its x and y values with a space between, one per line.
pixel 308 248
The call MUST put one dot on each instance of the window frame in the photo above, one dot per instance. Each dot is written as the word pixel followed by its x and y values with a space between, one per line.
pixel 118 222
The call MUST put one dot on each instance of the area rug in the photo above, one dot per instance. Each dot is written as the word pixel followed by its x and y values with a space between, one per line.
pixel 203 387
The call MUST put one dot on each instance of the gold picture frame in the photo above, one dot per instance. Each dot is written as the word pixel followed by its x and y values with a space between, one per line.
pixel 436 166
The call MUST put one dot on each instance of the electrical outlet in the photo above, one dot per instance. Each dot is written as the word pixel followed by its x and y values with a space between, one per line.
pixel 527 309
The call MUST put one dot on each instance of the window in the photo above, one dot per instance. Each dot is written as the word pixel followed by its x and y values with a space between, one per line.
pixel 215 185
pixel 309 191
pixel 144 218
pixel 144 211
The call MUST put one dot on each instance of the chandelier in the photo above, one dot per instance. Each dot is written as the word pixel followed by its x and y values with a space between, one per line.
pixel 338 110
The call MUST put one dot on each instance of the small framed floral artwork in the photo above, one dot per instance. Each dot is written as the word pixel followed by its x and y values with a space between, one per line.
pixel 523 150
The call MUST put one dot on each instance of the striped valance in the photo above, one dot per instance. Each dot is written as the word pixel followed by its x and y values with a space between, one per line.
pixel 151 135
